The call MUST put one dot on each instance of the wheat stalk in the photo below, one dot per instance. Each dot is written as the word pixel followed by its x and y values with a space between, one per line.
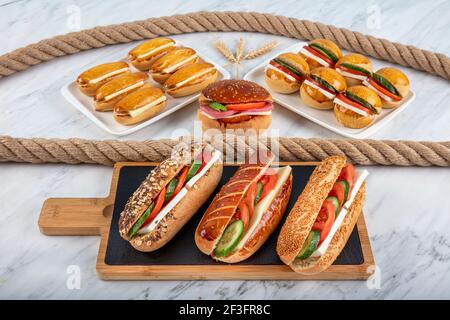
pixel 225 51
pixel 240 50
pixel 261 50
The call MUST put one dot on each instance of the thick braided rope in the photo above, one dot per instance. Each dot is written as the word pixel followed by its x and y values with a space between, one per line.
pixel 108 152
pixel 45 50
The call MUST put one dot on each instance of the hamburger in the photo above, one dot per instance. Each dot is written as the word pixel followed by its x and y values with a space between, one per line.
pixel 354 67
pixel 391 84
pixel 321 87
pixel 321 53
pixel 235 104
pixel 286 72
pixel 357 107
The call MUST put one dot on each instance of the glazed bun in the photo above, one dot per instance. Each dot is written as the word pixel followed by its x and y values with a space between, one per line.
pixel 399 80
pixel 328 45
pixel 313 97
pixel 282 82
pixel 143 55
pixel 354 59
pixel 172 61
pixel 245 123
pixel 351 119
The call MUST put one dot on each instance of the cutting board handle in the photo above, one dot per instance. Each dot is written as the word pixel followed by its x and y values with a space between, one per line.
pixel 71 216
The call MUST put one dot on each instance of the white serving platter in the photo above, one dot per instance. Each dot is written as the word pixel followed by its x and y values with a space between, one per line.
pixel 106 121
pixel 324 118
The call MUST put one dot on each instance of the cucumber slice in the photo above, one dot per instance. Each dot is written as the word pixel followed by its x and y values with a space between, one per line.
pixel 259 189
pixel 140 221
pixel 346 187
pixel 170 189
pixel 325 51
pixel 323 83
pixel 230 239
pixel 361 101
pixel 385 83
pixel 289 67
pixel 193 169
pixel 356 68
pixel 310 245
pixel 335 202
pixel 217 106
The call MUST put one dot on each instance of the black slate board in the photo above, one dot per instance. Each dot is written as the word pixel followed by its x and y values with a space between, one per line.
pixel 181 250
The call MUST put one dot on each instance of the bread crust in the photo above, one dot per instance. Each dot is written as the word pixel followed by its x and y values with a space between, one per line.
pixel 326 105
pixel 256 122
pixel 280 83
pixel 236 91
pixel 351 119
pixel 312 266
pixel 269 222
pixel 171 223
pixel 191 89
pixel 299 222
pixel 150 113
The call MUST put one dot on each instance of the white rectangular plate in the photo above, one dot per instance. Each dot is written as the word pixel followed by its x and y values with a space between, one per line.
pixel 106 121
pixel 324 118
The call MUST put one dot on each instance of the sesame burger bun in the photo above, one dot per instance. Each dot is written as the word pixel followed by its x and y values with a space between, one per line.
pixel 278 81
pixel 231 92
pixel 313 97
pixel 357 60
pixel 327 44
pixel 353 120
pixel 399 80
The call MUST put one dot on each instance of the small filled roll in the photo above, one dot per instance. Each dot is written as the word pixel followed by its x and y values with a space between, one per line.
pixel 321 53
pixel 143 55
pixel 175 59
pixel 90 80
pixel 391 84
pixel 170 195
pixel 357 107
pixel 235 105
pixel 355 68
pixel 140 105
pixel 113 91
pixel 285 73
pixel 321 87
pixel 191 79
pixel 323 217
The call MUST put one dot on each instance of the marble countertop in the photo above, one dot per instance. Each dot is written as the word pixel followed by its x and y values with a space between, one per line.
pixel 407 209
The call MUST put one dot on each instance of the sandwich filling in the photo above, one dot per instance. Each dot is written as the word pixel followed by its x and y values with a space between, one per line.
pixel 178 65
pixel 332 213
pixel 322 86
pixel 250 211
pixel 107 75
pixel 218 111
pixel 320 54
pixel 353 71
pixel 154 51
pixel 138 111
pixel 383 88
pixel 124 90
pixel 352 102
pixel 173 192
pixel 286 69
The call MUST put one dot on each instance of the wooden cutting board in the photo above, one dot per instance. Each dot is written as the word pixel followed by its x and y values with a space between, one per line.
pixel 180 259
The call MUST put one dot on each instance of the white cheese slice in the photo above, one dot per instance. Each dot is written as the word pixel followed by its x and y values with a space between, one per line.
pixel 382 95
pixel 172 203
pixel 314 57
pixel 215 157
pixel 179 64
pixel 107 75
pixel 243 113
pixel 327 94
pixel 324 245
pixel 151 52
pixel 351 75
pixel 350 107
pixel 283 174
pixel 195 76
pixel 269 66
pixel 138 111
pixel 126 89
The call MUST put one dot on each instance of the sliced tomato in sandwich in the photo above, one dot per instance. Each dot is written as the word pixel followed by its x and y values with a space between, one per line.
pixel 246 106
pixel 317 54
pixel 384 91
pixel 348 174
pixel 338 191
pixel 280 67
pixel 354 104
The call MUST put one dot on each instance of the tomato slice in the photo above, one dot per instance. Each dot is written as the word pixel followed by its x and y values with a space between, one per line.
pixel 245 106
pixel 351 71
pixel 342 97
pixel 269 185
pixel 348 174
pixel 158 205
pixel 320 86
pixel 324 220
pixel 244 215
pixel 317 54
pixel 384 91
pixel 338 191
pixel 181 181
pixel 279 66
pixel 250 199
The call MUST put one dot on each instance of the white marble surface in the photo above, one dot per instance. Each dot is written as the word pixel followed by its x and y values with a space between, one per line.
pixel 407 209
